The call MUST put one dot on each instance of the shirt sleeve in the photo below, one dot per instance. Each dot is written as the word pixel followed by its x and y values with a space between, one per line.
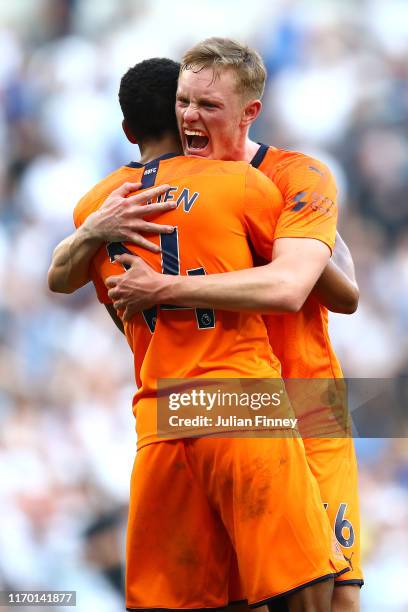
pixel 81 211
pixel 100 287
pixel 310 200
pixel 263 203
pixel 77 217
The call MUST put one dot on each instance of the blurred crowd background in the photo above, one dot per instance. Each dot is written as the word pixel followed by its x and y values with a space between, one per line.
pixel 337 89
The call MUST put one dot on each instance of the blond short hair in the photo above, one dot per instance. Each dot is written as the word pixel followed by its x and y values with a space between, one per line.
pixel 224 53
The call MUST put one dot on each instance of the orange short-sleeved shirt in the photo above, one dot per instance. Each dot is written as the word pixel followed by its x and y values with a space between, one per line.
pixel 226 210
pixel 301 340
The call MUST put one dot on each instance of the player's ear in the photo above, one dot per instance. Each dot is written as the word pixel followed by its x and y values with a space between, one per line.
pixel 251 112
pixel 128 132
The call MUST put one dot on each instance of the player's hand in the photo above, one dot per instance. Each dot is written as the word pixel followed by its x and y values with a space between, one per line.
pixel 136 289
pixel 122 218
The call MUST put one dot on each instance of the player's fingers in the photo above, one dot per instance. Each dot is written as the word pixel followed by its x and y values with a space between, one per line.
pixel 112 281
pixel 127 188
pixel 144 243
pixel 127 259
pixel 155 228
pixel 118 305
pixel 128 314
pixel 150 209
pixel 148 194
pixel 114 294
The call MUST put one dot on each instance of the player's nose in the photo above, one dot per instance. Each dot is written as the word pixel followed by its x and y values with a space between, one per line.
pixel 191 114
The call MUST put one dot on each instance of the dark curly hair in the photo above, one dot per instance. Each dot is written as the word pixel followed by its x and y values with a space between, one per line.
pixel 147 96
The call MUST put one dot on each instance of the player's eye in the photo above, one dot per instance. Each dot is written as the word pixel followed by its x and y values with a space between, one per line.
pixel 182 101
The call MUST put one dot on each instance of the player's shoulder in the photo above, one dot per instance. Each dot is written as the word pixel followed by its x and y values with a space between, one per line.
pixel 98 193
pixel 215 178
pixel 203 166
pixel 284 159
pixel 244 173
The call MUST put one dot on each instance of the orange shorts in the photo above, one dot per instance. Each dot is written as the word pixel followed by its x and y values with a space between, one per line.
pixel 196 505
pixel 333 463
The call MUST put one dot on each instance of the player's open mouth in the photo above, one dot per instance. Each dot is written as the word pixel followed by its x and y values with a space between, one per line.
pixel 196 140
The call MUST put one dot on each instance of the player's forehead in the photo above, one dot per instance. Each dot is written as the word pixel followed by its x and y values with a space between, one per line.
pixel 207 82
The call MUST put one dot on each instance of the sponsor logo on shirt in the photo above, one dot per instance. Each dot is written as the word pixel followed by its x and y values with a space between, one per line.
pixel 316 201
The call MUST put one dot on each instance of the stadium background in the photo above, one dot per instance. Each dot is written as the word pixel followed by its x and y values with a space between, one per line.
pixel 338 88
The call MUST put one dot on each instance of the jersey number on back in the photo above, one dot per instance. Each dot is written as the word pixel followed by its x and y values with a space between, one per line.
pixel 170 265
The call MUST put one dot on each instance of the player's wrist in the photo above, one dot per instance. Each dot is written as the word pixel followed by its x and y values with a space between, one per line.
pixel 167 289
pixel 91 229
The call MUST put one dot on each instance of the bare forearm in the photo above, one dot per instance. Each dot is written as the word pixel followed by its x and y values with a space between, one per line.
pixel 71 259
pixel 121 217
pixel 343 260
pixel 337 287
pixel 257 289
pixel 280 286
pixel 336 290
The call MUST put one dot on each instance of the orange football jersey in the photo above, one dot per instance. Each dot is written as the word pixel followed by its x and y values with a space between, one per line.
pixel 225 211
pixel 301 340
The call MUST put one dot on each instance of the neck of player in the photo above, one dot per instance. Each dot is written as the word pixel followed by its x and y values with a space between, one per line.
pixel 251 148
pixel 243 149
pixel 152 149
